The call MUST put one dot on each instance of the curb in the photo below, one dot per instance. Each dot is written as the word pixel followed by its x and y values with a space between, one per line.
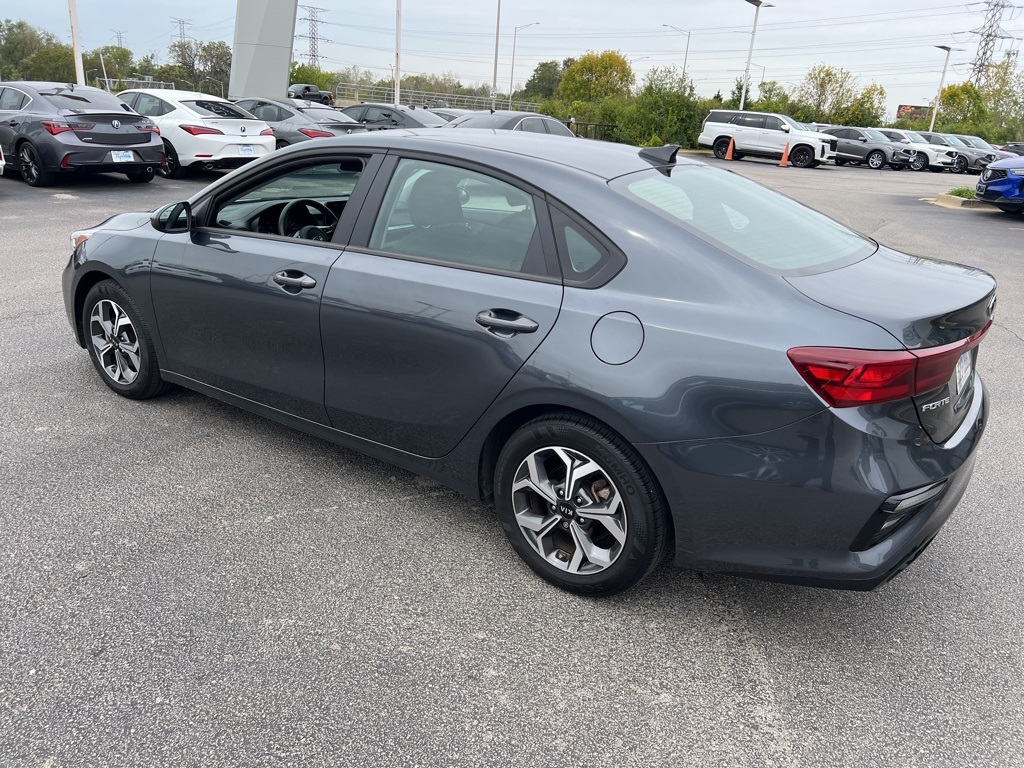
pixel 952 201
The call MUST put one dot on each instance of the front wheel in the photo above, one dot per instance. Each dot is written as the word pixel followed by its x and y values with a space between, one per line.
pixel 579 506
pixel 876 160
pixel 801 157
pixel 920 162
pixel 119 343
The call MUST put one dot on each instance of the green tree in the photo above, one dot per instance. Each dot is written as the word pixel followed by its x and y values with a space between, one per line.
pixel 867 108
pixel 305 73
pixel 827 91
pixel 55 62
pixel 772 97
pixel 543 83
pixel 119 61
pixel 1004 98
pixel 596 76
pixel 962 109
pixel 18 41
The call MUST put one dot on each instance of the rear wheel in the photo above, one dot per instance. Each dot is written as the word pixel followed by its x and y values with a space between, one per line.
pixel 281 144
pixel 959 165
pixel 936 169
pixel 119 343
pixel 579 506
pixel 721 147
pixel 801 157
pixel 31 167
pixel 876 160
pixel 172 167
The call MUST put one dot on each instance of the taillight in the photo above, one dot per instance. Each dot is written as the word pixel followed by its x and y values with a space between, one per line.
pixel 148 127
pixel 55 128
pixel 850 377
pixel 267 132
pixel 313 133
pixel 200 130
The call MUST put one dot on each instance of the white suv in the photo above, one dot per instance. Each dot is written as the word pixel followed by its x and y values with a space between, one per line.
pixel 930 156
pixel 765 134
pixel 200 130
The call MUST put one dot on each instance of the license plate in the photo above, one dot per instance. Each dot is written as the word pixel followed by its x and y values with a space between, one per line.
pixel 964 369
pixel 246 149
pixel 122 156
pixel 980 189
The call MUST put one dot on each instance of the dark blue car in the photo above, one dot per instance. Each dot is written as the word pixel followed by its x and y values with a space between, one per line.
pixel 1002 185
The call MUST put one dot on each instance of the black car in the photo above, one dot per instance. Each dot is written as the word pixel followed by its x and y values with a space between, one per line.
pixel 507 120
pixel 310 92
pixel 1014 147
pixel 632 354
pixel 868 146
pixel 297 120
pixel 386 116
pixel 48 129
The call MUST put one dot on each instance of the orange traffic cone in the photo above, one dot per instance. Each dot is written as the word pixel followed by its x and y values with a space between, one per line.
pixel 785 157
pixel 728 152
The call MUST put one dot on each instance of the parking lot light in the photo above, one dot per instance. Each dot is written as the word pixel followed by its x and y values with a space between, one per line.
pixel 750 51
pixel 942 80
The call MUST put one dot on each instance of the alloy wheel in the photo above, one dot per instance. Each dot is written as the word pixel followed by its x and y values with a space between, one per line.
pixel 27 163
pixel 115 342
pixel 876 160
pixel 569 510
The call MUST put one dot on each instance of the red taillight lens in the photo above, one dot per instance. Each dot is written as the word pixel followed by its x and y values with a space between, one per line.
pixel 267 132
pixel 200 130
pixel 315 134
pixel 55 128
pixel 851 377
pixel 148 127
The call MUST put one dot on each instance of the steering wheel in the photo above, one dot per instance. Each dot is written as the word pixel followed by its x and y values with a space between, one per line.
pixel 330 219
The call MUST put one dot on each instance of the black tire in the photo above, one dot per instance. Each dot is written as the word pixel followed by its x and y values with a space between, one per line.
pixel 281 144
pixel 172 167
pixel 897 166
pixel 141 177
pixel 1015 210
pixel 959 165
pixel 128 363
pixel 875 160
pixel 721 147
pixel 920 162
pixel 32 169
pixel 632 498
pixel 936 169
pixel 801 156
pixel 840 161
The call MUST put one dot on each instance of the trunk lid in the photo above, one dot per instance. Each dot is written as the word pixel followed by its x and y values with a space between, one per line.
pixel 108 128
pixel 932 307
pixel 225 117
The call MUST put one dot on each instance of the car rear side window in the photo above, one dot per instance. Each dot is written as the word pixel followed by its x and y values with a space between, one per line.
pixel 151 106
pixel 754 224
pixel 12 99
pixel 210 108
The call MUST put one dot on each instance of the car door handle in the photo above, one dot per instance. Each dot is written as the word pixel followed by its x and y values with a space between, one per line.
pixel 300 281
pixel 505 322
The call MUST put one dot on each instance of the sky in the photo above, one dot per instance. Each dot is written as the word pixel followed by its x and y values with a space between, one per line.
pixel 889 42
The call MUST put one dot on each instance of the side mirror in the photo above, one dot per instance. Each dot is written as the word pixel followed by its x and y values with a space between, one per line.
pixel 862 138
pixel 786 128
pixel 175 218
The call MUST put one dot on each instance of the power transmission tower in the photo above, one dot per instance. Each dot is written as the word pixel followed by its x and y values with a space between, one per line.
pixel 119 34
pixel 989 32
pixel 183 24
pixel 314 33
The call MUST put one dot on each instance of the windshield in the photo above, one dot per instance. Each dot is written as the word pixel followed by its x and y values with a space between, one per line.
pixel 793 123
pixel 746 220
pixel 954 141
pixel 210 108
pixel 915 138
pixel 876 135
pixel 84 99
pixel 425 117
pixel 978 142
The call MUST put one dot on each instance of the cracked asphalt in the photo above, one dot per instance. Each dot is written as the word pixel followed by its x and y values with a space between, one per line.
pixel 186 584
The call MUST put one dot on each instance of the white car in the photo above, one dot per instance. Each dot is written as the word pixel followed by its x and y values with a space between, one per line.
pixel 765 134
pixel 930 156
pixel 200 130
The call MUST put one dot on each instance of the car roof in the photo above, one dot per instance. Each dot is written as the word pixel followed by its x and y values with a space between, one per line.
pixel 168 93
pixel 605 160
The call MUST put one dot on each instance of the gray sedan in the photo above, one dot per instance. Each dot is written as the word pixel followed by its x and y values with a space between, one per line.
pixel 633 355
pixel 295 120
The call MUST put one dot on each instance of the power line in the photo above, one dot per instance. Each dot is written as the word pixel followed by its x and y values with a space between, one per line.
pixel 989 32
pixel 314 33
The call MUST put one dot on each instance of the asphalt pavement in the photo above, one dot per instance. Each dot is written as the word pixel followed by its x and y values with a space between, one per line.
pixel 184 583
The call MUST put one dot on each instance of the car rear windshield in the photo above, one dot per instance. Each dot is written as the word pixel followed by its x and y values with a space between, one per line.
pixel 325 115
pixel 426 117
pixel 84 100
pixel 479 121
pixel 209 108
pixel 752 223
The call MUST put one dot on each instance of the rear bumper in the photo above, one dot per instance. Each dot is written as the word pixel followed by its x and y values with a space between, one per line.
pixel 794 504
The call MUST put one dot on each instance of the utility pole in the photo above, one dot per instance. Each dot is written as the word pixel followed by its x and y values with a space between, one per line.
pixel 990 31
pixel 183 24
pixel 76 45
pixel 314 33
pixel 396 72
pixel 494 83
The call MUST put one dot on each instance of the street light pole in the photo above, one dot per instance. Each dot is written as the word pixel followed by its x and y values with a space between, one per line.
pixel 750 52
pixel 942 80
pixel 397 74
pixel 512 74
pixel 76 44
pixel 494 83
pixel 686 54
